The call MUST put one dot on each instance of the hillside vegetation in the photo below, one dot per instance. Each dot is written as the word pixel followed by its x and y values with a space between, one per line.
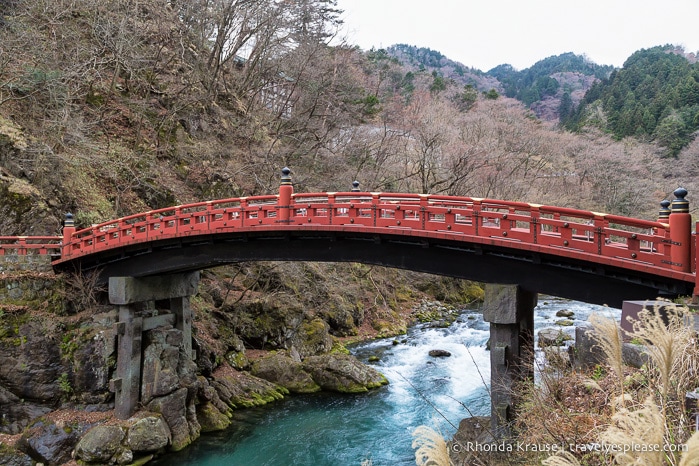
pixel 654 97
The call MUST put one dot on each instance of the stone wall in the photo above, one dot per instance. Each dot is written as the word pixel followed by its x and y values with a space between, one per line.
pixel 27 281
pixel 27 263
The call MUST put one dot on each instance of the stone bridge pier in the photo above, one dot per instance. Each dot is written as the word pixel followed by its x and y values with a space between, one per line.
pixel 135 298
pixel 510 311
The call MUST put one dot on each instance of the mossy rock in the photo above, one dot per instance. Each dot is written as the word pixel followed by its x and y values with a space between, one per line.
pixel 243 390
pixel 210 418
pixel 281 369
pixel 343 373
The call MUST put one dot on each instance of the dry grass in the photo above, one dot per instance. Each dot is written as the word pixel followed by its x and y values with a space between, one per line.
pixel 611 343
pixel 431 448
pixel 650 413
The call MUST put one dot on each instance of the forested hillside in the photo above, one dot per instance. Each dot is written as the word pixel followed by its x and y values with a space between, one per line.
pixel 654 97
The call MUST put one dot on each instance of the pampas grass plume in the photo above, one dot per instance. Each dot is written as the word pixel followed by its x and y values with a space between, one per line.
pixel 691 456
pixel 431 448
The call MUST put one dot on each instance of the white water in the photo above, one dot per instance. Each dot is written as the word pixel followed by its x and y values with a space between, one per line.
pixel 331 429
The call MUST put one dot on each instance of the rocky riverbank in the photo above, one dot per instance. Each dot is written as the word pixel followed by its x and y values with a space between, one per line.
pixel 57 361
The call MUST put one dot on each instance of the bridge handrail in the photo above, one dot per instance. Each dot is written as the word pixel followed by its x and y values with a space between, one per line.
pixel 27 245
pixel 568 231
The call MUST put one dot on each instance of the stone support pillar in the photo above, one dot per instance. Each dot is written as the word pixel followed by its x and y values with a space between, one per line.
pixel 183 321
pixel 510 311
pixel 129 294
pixel 127 383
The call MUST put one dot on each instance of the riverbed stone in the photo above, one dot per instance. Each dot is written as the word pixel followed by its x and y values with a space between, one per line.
pixel 439 353
pixel 99 444
pixel 587 352
pixel 281 369
pixel 174 410
pixel 552 337
pixel 343 373
pixel 211 418
pixel 565 313
pixel 149 434
pixel 243 390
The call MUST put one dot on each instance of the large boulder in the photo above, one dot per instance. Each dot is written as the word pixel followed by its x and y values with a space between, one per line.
pixel 161 357
pixel 100 444
pixel 148 434
pixel 243 390
pixel 17 414
pixel 281 369
pixel 312 338
pixel 343 373
pixel 51 443
pixel 211 418
pixel 173 408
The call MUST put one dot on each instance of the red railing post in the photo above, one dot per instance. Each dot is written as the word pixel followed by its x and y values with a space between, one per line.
pixel 664 247
pixel 68 230
pixel 286 189
pixel 680 232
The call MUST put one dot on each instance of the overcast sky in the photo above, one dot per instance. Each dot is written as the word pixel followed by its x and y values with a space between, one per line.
pixel 486 33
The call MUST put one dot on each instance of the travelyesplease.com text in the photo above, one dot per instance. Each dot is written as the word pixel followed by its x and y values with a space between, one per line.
pixel 606 448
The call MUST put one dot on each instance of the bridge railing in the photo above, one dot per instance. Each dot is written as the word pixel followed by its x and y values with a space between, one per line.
pixel 28 245
pixel 535 227
pixel 493 220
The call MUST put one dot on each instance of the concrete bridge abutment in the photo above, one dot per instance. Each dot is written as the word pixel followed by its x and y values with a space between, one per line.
pixel 134 298
pixel 510 311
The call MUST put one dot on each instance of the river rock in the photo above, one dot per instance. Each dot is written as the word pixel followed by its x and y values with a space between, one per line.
pixel 343 373
pixel 565 322
pixel 281 369
pixel 552 337
pixel 99 444
pixel 173 408
pixel 312 338
pixel 439 353
pixel 565 313
pixel 243 390
pixel 211 418
pixel 148 434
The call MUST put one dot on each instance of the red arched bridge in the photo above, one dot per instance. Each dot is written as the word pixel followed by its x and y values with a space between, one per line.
pixel 582 255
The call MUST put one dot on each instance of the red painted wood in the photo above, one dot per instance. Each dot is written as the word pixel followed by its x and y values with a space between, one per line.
pixel 630 243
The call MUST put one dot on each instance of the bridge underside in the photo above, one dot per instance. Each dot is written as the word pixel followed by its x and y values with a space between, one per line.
pixel 532 271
